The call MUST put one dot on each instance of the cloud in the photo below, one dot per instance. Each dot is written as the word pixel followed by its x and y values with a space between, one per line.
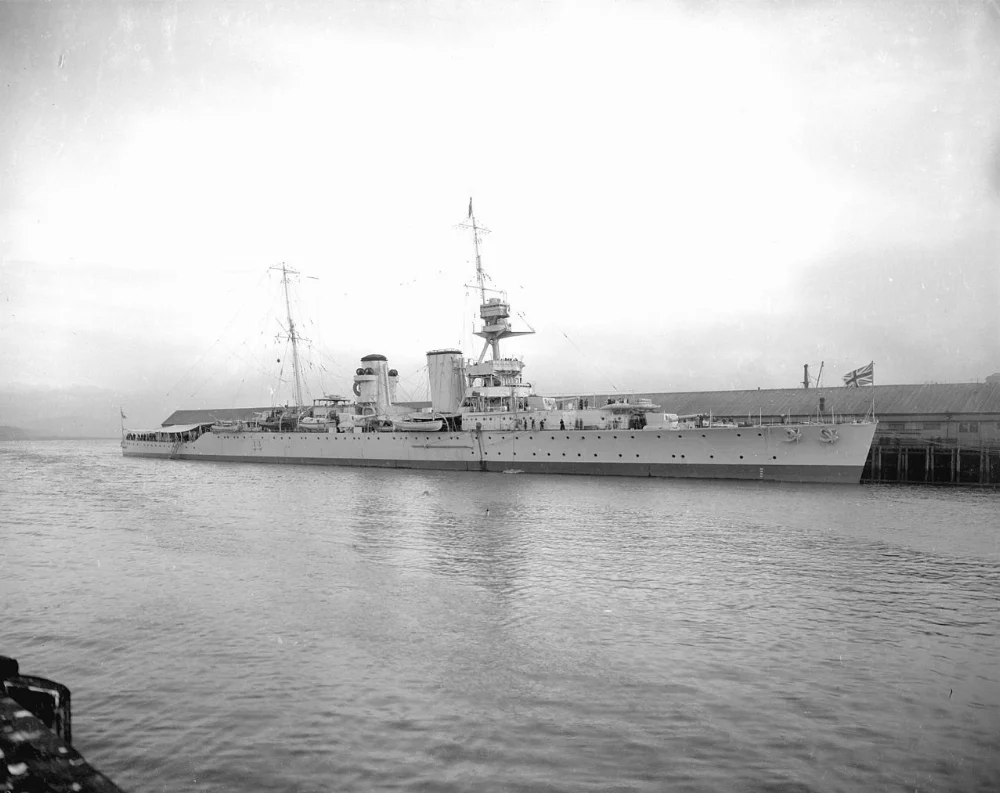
pixel 696 198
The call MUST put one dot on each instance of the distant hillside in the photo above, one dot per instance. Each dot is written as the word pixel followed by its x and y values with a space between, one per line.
pixel 85 411
pixel 18 434
pixel 37 413
pixel 13 434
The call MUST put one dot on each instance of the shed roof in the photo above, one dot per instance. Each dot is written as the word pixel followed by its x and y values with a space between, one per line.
pixel 932 398
pixel 955 399
pixel 214 414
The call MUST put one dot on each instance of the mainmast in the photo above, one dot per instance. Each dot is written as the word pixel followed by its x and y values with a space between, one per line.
pixel 292 335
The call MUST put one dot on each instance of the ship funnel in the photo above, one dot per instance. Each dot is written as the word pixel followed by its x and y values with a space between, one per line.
pixel 446 375
pixel 373 385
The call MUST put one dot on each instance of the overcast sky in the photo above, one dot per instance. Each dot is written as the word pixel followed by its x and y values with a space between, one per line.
pixel 681 195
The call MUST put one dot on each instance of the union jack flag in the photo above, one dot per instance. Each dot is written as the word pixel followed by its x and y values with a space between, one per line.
pixel 863 376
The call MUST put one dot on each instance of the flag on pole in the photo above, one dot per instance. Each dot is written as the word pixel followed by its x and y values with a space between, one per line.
pixel 120 410
pixel 470 207
pixel 863 376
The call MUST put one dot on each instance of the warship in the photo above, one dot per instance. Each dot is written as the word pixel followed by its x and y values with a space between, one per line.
pixel 484 416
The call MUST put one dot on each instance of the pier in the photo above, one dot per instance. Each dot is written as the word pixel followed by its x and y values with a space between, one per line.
pixel 932 464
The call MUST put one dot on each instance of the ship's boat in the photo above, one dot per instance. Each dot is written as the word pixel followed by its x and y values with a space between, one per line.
pixel 419 424
pixel 280 421
pixel 484 416
pixel 229 426
pixel 313 424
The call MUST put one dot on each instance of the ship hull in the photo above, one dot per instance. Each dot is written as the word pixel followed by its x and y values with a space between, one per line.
pixel 758 453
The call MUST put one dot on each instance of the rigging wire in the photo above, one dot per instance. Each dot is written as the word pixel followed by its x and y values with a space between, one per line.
pixel 233 353
pixel 589 360
pixel 226 328
pixel 403 385
pixel 238 390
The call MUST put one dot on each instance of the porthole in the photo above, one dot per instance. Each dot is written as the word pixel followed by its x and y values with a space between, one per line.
pixel 741 456
pixel 619 455
pixel 703 435
pixel 659 436
pixel 673 455
pixel 774 457
pixel 637 455
pixel 738 435
pixel 711 457
pixel 548 454
pixel 615 437
pixel 595 455
pixel 632 437
pixel 579 455
pixel 682 456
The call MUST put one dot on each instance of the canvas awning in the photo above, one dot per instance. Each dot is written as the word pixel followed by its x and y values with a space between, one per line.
pixel 175 429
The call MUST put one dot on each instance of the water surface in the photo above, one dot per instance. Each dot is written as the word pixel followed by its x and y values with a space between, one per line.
pixel 239 627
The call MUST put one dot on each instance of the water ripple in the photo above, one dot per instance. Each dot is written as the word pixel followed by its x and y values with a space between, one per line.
pixel 228 627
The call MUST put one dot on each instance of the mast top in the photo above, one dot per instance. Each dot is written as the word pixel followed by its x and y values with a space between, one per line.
pixel 477 231
pixel 494 311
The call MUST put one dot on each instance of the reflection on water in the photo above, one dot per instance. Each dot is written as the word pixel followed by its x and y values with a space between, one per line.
pixel 236 627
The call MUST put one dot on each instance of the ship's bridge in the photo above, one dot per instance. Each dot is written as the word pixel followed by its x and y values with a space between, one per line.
pixel 494 309
pixel 497 366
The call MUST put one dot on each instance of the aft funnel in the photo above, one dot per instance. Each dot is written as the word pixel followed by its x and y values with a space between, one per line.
pixel 445 373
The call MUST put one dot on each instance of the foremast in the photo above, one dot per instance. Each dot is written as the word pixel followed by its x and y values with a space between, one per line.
pixel 494 384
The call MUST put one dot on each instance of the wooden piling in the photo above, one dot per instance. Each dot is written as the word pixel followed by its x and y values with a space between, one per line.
pixel 977 467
